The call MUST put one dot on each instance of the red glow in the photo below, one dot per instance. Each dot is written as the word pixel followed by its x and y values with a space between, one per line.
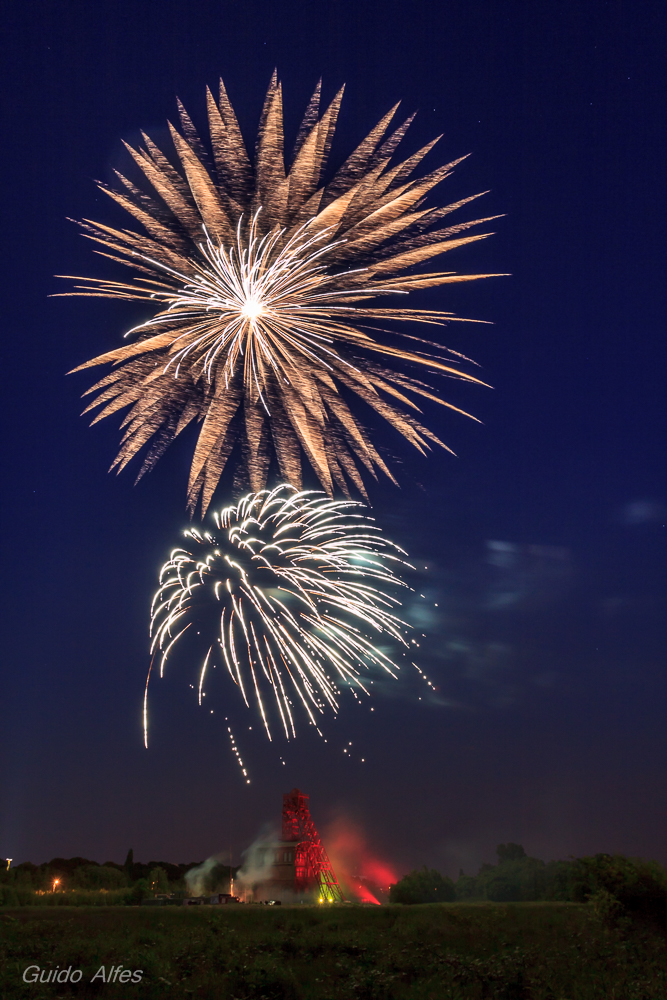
pixel 364 894
pixel 379 872
pixel 354 861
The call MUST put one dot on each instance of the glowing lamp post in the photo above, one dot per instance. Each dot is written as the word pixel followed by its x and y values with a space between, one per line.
pixel 56 882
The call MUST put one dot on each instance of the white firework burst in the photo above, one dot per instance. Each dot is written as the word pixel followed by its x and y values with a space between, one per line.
pixel 293 586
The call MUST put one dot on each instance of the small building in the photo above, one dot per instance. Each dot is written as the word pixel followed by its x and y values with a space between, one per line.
pixel 280 858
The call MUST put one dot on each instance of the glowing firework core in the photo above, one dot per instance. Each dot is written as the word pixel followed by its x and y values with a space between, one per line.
pixel 252 310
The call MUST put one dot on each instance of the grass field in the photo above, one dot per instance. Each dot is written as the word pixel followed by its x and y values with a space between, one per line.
pixel 463 951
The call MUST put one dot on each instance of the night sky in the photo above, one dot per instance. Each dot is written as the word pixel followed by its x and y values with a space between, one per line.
pixel 544 539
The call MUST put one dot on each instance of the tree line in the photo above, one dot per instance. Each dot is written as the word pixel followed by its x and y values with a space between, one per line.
pixel 613 882
pixel 84 875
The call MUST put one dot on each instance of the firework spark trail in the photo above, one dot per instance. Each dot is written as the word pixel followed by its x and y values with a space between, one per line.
pixel 235 751
pixel 293 581
pixel 262 279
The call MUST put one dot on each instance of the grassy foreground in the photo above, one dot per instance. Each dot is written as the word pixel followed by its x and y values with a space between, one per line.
pixel 462 951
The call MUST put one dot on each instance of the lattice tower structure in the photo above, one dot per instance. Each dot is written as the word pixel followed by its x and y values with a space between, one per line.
pixel 314 871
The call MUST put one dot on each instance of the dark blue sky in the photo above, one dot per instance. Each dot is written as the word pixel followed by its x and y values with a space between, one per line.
pixel 545 537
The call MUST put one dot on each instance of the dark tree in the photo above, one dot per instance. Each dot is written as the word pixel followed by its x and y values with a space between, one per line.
pixel 157 880
pixel 510 852
pixel 98 877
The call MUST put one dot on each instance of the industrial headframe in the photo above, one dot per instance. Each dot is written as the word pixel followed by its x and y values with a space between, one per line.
pixel 314 873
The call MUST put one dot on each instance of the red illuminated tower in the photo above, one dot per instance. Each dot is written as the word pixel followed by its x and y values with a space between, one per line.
pixel 313 868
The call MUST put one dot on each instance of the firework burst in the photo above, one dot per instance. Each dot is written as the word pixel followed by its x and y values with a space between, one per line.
pixel 263 280
pixel 292 585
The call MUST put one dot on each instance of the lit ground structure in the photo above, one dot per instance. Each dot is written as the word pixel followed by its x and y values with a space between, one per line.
pixel 297 866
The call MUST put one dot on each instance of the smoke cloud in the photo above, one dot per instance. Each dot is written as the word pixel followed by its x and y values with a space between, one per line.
pixel 210 876
pixel 257 861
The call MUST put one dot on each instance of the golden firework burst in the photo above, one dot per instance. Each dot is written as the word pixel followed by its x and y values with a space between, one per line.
pixel 263 278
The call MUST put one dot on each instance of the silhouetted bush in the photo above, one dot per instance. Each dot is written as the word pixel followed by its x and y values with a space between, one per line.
pixel 140 890
pixel 423 886
pixel 639 886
